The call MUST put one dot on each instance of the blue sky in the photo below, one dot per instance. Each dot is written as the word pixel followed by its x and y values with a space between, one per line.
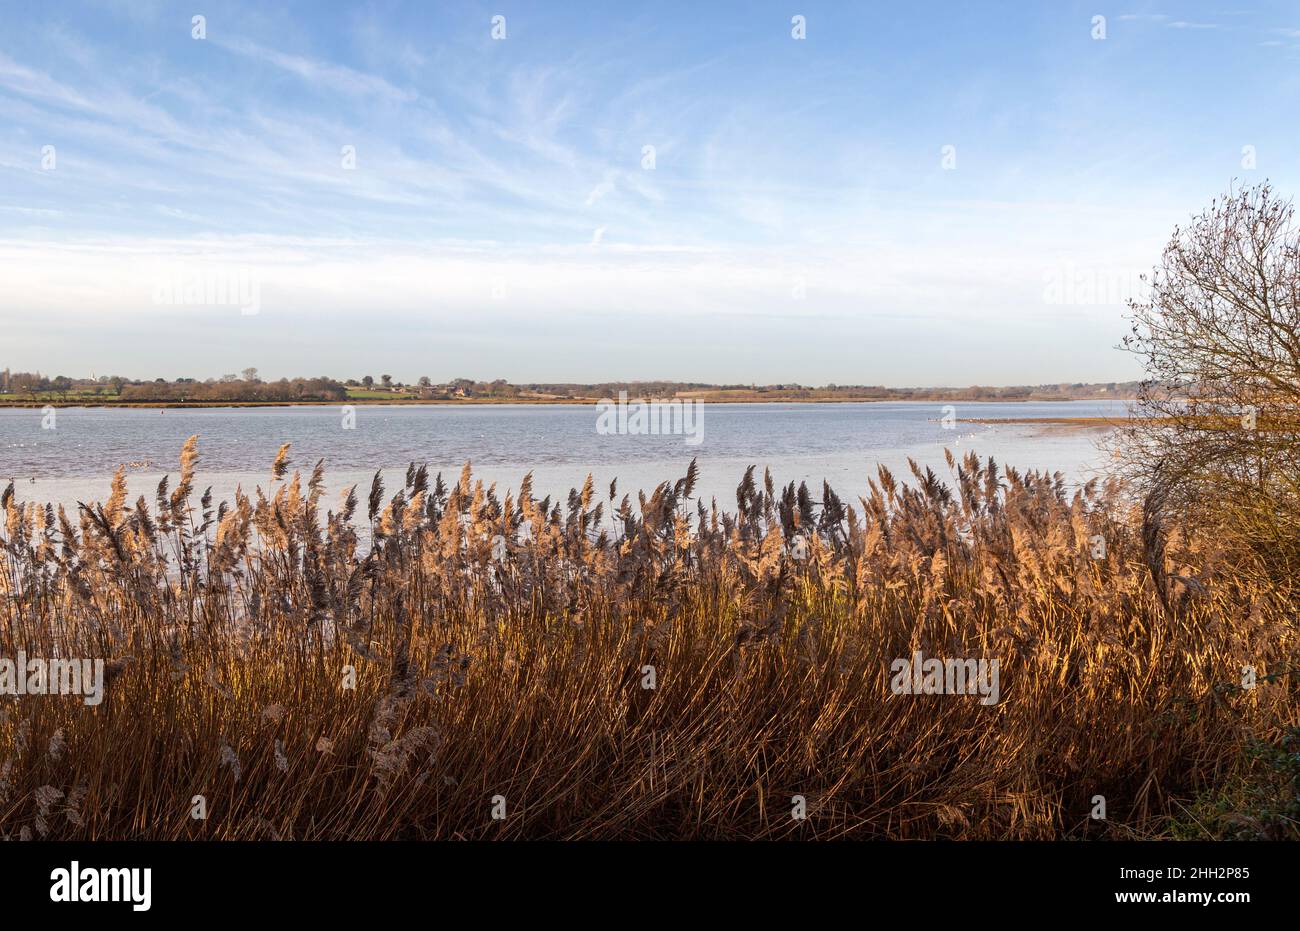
pixel 799 223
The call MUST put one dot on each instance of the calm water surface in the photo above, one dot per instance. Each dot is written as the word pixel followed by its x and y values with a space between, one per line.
pixel 841 443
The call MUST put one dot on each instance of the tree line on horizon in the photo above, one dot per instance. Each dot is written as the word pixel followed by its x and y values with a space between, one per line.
pixel 248 387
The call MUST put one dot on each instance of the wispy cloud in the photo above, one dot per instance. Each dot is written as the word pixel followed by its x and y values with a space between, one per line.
pixel 319 76
pixel 1168 22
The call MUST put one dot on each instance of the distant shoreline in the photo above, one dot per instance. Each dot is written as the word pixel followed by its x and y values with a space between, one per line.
pixel 1051 424
pixel 532 402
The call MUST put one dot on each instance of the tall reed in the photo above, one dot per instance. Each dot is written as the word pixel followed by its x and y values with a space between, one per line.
pixel 502 652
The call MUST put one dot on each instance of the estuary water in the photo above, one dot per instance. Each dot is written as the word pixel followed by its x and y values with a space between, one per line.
pixel 70 456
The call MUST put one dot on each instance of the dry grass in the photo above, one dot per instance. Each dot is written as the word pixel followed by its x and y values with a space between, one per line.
pixel 228 629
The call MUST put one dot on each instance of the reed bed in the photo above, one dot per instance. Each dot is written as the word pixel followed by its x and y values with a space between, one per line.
pixel 409 665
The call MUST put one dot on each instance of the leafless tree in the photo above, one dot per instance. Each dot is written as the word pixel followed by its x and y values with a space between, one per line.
pixel 1216 431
